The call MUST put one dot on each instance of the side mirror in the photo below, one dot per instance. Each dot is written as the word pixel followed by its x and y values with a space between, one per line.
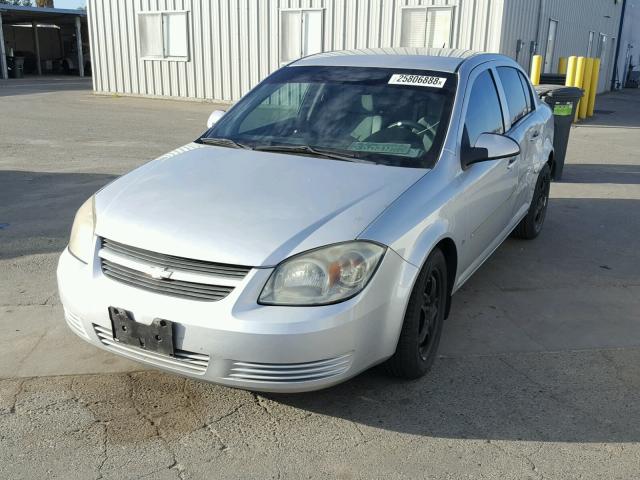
pixel 215 118
pixel 489 146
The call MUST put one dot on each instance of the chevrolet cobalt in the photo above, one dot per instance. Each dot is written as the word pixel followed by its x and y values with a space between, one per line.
pixel 320 226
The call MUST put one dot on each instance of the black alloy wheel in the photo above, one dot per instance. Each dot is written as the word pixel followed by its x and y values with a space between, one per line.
pixel 422 327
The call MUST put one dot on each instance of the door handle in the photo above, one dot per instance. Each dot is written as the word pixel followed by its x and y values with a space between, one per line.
pixel 534 135
pixel 512 162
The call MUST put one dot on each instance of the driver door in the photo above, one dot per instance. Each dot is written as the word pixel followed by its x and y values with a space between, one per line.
pixel 488 187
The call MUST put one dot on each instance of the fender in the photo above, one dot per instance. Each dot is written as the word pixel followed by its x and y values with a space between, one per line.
pixel 422 216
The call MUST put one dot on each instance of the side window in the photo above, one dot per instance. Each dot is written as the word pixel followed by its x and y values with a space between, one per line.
pixel 484 114
pixel 526 86
pixel 512 86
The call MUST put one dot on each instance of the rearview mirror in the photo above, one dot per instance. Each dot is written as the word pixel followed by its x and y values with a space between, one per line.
pixel 214 118
pixel 489 146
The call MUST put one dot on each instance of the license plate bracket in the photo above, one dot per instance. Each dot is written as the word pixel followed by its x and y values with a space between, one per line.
pixel 157 337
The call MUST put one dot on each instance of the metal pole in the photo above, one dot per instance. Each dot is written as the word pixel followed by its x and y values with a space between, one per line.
pixel 536 68
pixel 578 81
pixel 572 62
pixel 617 54
pixel 541 5
pixel 586 84
pixel 595 77
pixel 36 43
pixel 3 59
pixel 79 46
pixel 562 65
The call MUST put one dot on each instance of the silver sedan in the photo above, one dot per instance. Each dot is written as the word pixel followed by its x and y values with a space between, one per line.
pixel 320 226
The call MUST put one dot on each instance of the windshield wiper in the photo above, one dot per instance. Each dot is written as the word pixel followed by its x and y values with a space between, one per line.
pixel 224 142
pixel 320 152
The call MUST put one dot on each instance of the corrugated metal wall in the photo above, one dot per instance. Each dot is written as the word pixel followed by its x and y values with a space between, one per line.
pixel 576 18
pixel 234 43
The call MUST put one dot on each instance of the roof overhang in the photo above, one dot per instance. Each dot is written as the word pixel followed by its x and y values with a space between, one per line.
pixel 12 14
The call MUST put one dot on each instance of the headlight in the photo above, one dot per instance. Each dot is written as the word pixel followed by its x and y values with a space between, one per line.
pixel 323 276
pixel 81 241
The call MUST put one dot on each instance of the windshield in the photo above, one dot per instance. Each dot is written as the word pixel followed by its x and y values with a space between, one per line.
pixel 390 116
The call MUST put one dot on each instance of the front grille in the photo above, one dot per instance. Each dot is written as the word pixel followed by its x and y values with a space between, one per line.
pixel 182 361
pixel 185 278
pixel 290 372
pixel 176 288
pixel 178 263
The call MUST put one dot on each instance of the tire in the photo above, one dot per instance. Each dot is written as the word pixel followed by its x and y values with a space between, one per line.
pixel 423 321
pixel 531 225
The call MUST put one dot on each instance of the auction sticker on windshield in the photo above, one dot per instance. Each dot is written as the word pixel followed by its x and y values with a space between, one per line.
pixel 417 80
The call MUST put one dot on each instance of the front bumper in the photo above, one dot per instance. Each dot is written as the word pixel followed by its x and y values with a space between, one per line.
pixel 235 341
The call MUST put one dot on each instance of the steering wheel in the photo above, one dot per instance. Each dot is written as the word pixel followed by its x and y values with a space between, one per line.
pixel 410 124
pixel 416 128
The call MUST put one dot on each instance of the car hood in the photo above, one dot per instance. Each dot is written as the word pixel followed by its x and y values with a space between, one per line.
pixel 244 207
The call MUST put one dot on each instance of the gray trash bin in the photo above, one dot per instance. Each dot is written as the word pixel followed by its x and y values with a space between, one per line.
pixel 16 67
pixel 563 102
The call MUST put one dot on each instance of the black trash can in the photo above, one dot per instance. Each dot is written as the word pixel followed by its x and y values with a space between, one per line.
pixel 563 102
pixel 18 67
pixel 10 65
pixel 553 78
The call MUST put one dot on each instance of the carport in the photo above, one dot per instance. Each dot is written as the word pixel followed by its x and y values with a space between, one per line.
pixel 52 38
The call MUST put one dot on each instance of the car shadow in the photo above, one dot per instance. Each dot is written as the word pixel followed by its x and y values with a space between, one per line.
pixel 37 209
pixel 534 347
pixel 617 110
pixel 45 84
pixel 601 173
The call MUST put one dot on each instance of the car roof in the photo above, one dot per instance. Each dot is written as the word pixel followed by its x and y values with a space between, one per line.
pixel 440 59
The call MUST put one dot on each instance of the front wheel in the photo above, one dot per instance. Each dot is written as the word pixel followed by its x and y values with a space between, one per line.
pixel 531 225
pixel 422 327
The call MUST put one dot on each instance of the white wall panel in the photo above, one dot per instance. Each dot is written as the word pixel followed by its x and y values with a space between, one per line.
pixel 233 44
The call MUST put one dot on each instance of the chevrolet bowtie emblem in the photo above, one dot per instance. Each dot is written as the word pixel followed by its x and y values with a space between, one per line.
pixel 161 273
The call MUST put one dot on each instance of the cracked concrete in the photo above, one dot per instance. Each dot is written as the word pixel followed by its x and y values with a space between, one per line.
pixel 538 375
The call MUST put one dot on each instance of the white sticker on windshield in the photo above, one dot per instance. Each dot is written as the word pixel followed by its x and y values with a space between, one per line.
pixel 417 80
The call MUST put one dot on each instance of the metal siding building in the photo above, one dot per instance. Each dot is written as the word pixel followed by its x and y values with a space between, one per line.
pixel 575 20
pixel 230 45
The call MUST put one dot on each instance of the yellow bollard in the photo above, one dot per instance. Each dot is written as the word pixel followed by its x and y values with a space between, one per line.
pixel 579 79
pixel 586 85
pixel 536 66
pixel 595 77
pixel 571 71
pixel 562 65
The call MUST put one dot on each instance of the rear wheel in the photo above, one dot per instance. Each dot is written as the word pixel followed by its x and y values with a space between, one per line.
pixel 531 225
pixel 422 327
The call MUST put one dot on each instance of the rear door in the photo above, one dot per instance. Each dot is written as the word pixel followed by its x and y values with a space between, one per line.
pixel 488 187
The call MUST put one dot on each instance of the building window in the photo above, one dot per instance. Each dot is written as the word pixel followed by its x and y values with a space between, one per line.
pixel 164 35
pixel 551 46
pixel 590 44
pixel 602 43
pixel 426 27
pixel 300 33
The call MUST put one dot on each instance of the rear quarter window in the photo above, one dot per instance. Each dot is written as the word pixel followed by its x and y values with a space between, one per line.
pixel 516 101
pixel 526 86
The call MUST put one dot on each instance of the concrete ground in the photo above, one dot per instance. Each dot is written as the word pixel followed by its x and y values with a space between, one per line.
pixel 538 375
